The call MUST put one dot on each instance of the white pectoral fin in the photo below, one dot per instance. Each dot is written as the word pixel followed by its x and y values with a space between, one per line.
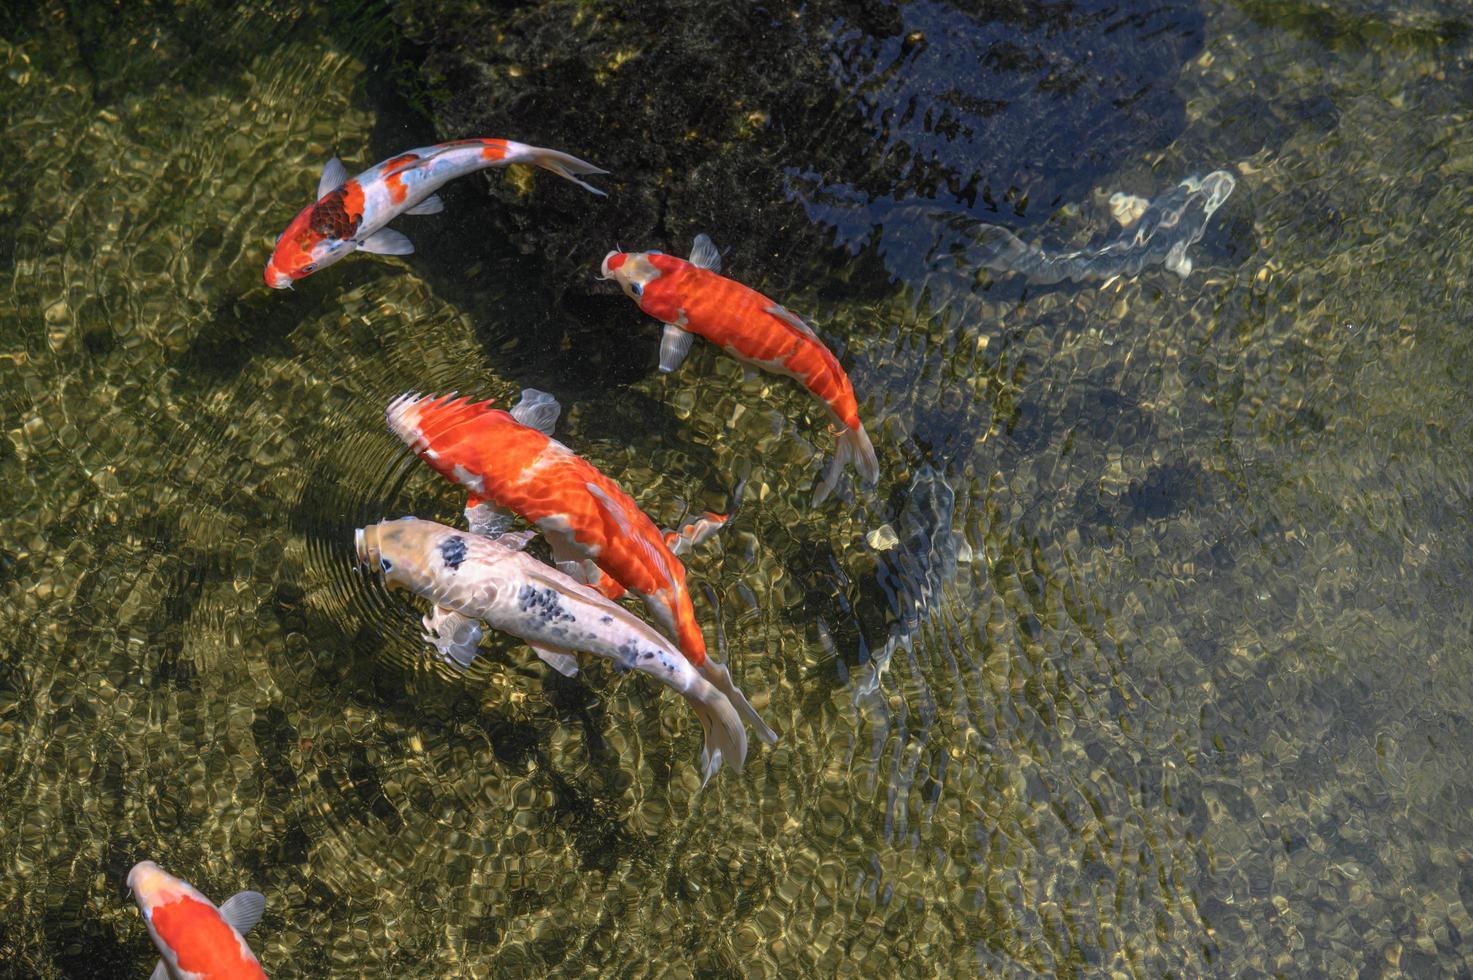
pixel 488 520
pixel 703 254
pixel 243 910
pixel 674 345
pixel 456 637
pixel 517 540
pixel 430 205
pixel 160 972
pixel 387 242
pixel 573 568
pixel 564 663
pixel 334 175
pixel 537 410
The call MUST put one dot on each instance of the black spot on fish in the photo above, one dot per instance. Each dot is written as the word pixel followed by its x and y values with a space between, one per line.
pixel 628 656
pixel 452 550
pixel 544 604
pixel 606 620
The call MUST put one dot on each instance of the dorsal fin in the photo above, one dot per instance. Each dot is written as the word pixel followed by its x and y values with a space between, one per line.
pixel 626 527
pixel 334 175
pixel 793 320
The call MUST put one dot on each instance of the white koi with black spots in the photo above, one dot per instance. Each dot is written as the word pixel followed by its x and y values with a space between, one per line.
pixel 559 617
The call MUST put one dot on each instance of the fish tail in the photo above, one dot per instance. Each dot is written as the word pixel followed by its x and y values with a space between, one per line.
pixel 853 447
pixel 720 678
pixel 709 524
pixel 696 533
pixel 725 738
pixel 565 165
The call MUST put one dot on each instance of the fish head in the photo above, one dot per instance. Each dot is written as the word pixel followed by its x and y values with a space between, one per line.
pixel 397 550
pixel 152 886
pixel 317 237
pixel 450 567
pixel 410 553
pixel 633 271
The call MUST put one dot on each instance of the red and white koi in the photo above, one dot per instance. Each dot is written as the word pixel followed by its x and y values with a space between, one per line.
pixel 511 465
pixel 691 297
pixel 197 940
pixel 350 213
pixel 489 580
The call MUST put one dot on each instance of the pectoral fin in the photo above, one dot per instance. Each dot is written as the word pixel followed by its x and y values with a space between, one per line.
pixel 703 254
pixel 517 540
pixel 486 519
pixel 537 410
pixel 564 663
pixel 160 972
pixel 334 175
pixel 430 205
pixel 386 242
pixel 243 910
pixel 674 345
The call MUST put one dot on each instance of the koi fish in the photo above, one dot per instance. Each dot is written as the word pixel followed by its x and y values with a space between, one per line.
pixel 691 297
pixel 197 940
pixel 350 213
pixel 511 465
pixel 494 582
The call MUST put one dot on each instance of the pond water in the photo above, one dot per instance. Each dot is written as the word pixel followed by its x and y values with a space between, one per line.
pixel 1149 654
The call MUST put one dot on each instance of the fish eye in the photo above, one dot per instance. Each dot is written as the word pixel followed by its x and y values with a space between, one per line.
pixel 637 288
pixel 310 267
pixel 386 565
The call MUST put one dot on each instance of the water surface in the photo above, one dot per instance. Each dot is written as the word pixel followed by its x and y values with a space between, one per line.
pixel 1188 683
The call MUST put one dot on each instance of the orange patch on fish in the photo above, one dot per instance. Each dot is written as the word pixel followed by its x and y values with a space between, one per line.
pixel 202 941
pixel 394 176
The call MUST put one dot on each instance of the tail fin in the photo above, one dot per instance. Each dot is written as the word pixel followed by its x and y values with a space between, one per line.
pixel 709 524
pixel 853 447
pixel 726 739
pixel 565 165
pixel 696 533
pixel 720 679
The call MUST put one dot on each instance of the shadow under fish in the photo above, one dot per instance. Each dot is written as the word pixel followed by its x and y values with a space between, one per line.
pixel 918 560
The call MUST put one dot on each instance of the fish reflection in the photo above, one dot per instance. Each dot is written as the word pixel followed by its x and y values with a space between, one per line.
pixel 916 239
pixel 1156 232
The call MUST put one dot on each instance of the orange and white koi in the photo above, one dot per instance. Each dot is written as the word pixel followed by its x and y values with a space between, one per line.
pixel 510 464
pixel 493 581
pixel 350 213
pixel 197 940
pixel 691 297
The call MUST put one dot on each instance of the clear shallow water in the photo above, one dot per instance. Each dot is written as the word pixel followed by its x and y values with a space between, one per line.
pixel 1192 699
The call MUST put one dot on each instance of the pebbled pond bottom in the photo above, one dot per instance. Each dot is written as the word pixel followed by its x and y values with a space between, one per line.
pixel 1187 688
